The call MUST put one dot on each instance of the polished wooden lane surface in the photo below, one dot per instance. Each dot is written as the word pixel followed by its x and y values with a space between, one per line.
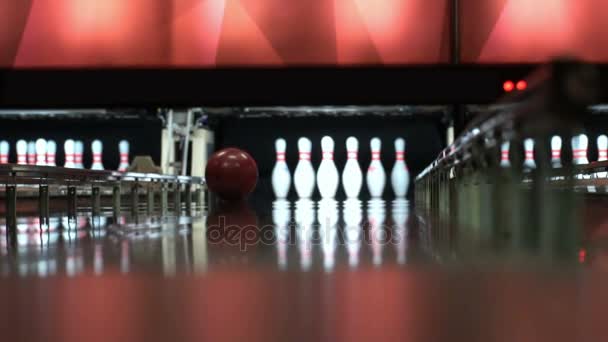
pixel 161 279
pixel 372 304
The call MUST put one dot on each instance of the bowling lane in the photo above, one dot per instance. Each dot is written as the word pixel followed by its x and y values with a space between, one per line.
pixel 331 270
pixel 284 270
pixel 302 236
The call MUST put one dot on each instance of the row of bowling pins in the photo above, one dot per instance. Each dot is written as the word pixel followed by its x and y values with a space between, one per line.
pixel 327 178
pixel 43 152
pixel 579 143
pixel 327 215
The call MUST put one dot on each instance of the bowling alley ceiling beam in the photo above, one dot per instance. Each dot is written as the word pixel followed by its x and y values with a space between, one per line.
pixel 306 111
pixel 126 113
pixel 315 86
pixel 53 112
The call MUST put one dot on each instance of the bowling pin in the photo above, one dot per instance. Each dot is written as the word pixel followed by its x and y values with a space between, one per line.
pixel 602 151
pixel 40 152
pixel 580 143
pixel 602 148
pixel 97 149
pixel 400 175
pixel 22 152
pixel 4 150
pixel 304 176
pixel 51 151
pixel 556 151
pixel 352 177
pixel 78 151
pixel 529 162
pixel 68 148
pixel 31 153
pixel 504 155
pixel 123 148
pixel 327 174
pixel 281 177
pixel 376 177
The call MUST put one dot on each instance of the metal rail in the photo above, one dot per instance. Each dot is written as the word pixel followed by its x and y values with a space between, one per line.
pixel 15 176
pixel 467 187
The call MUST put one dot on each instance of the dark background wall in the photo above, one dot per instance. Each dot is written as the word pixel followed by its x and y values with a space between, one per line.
pixel 423 136
pixel 143 136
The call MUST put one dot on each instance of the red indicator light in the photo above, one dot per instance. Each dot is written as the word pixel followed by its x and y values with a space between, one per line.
pixel 582 255
pixel 522 85
pixel 508 86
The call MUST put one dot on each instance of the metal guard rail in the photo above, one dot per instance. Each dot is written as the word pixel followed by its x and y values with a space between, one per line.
pixel 556 96
pixel 14 176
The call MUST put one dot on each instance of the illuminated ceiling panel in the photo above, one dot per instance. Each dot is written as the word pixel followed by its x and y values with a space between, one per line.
pixel 515 31
pixel 208 33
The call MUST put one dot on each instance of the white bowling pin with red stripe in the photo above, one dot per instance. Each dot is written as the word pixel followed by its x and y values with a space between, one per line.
pixel 22 152
pixel 529 162
pixel 556 151
pixel 78 151
pixel 69 152
pixel 281 177
pixel 304 175
pixel 400 175
pixel 580 143
pixel 327 174
pixel 376 177
pixel 41 152
pixel 602 148
pixel 504 155
pixel 97 149
pixel 352 177
pixel 51 151
pixel 123 149
pixel 602 152
pixel 4 150
pixel 31 153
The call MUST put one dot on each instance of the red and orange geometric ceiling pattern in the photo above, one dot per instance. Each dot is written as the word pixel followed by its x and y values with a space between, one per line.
pixel 200 33
pixel 214 33
pixel 510 31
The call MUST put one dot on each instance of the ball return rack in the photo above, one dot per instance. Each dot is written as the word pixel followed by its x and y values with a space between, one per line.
pixel 186 192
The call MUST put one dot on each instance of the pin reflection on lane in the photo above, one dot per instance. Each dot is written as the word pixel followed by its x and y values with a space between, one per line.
pixel 305 219
pixel 353 214
pixel 376 216
pixel 328 216
pixel 331 236
pixel 400 214
pixel 281 215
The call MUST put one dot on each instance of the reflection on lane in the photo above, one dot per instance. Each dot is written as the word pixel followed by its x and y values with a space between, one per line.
pixel 305 219
pixel 328 216
pixel 375 217
pixel 353 214
pixel 338 229
pixel 306 235
pixel 400 214
pixel 281 216
pixel 72 246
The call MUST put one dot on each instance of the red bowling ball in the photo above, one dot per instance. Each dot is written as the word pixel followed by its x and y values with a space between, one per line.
pixel 231 174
